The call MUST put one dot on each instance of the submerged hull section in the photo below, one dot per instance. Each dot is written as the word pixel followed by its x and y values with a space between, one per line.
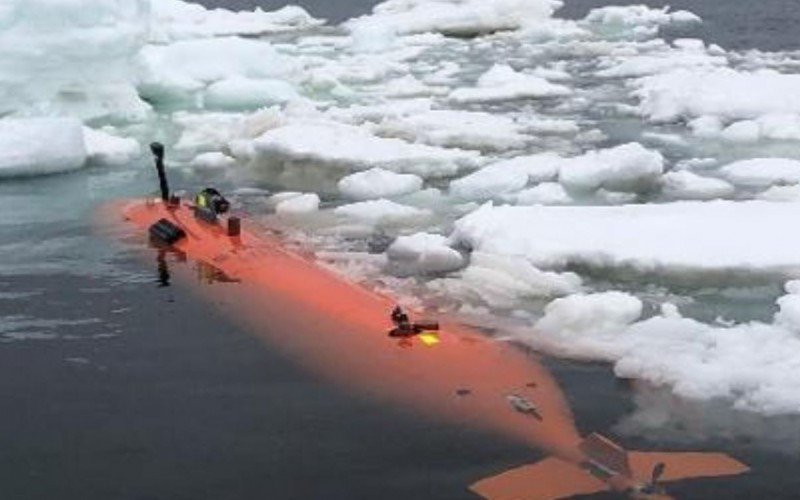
pixel 341 330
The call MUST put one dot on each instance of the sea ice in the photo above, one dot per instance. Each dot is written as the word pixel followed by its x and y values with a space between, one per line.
pixel 299 204
pixel 72 57
pixel 104 148
pixel 681 237
pixel 36 146
pixel 176 19
pixel 685 185
pixel 752 365
pixel 629 167
pixel 762 172
pixel 460 129
pixel 503 83
pixel 427 253
pixel 353 148
pixel 378 183
pixel 506 176
pixel 458 17
pixel 382 212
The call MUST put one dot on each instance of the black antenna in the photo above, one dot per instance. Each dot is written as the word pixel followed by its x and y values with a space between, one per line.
pixel 158 151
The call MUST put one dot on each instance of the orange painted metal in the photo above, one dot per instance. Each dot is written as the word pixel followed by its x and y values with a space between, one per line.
pixel 339 329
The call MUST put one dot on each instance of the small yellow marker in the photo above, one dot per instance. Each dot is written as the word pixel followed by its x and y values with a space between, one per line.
pixel 429 339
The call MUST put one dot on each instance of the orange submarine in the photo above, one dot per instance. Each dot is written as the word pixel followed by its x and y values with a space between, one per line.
pixel 360 339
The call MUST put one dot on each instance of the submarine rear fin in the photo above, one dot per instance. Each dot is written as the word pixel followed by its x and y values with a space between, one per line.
pixel 546 480
pixel 684 465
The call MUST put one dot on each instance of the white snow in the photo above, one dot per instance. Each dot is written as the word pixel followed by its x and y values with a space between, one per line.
pixel 72 57
pixel 458 17
pixel 353 148
pixel 685 185
pixel 104 148
pixel 299 204
pixel 378 183
pixel 213 160
pixel 637 20
pixel 382 212
pixel 428 253
pixel 460 129
pixel 180 71
pixel 724 93
pixel 681 237
pixel 37 146
pixel 546 193
pixel 629 167
pixel 762 172
pixel 506 176
pixel 176 19
pixel 752 365
pixel 247 93
pixel 506 282
pixel 503 83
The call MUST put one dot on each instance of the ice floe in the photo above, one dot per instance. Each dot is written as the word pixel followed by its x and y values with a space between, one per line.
pixel 674 238
pixel 751 365
pixel 36 146
pixel 458 17
pixel 378 183
pixel 503 83
pixel 353 148
pixel 427 253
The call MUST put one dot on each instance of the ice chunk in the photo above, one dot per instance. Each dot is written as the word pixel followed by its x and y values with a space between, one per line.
pixel 639 21
pixel 781 193
pixel 762 172
pixel 175 19
pixel 427 253
pixel 72 57
pixel 546 193
pixel 506 282
pixel 382 212
pixel 180 70
pixel 507 176
pixel 353 148
pixel 502 83
pixel 722 92
pixel 681 237
pixel 104 148
pixel 378 183
pixel 458 17
pixel 742 131
pixel 247 93
pixel 213 160
pixel 629 167
pixel 684 185
pixel 461 129
pixel 298 205
pixel 37 146
pixel 597 313
pixel 751 366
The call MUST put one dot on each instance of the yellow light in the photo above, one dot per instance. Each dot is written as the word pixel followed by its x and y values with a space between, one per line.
pixel 429 339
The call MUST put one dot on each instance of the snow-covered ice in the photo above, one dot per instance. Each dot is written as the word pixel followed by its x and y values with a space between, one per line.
pixel 353 148
pixel 675 238
pixel 503 83
pixel 36 146
pixel 378 183
pixel 427 253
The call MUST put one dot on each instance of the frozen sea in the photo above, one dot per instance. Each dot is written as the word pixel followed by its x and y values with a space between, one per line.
pixel 119 387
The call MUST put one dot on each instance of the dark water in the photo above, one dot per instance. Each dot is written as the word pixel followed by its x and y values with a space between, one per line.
pixel 733 24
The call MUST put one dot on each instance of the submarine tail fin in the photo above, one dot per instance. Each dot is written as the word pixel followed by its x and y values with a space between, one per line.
pixel 683 465
pixel 548 479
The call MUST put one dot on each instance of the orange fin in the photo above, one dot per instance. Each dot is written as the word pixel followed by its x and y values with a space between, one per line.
pixel 684 465
pixel 546 480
